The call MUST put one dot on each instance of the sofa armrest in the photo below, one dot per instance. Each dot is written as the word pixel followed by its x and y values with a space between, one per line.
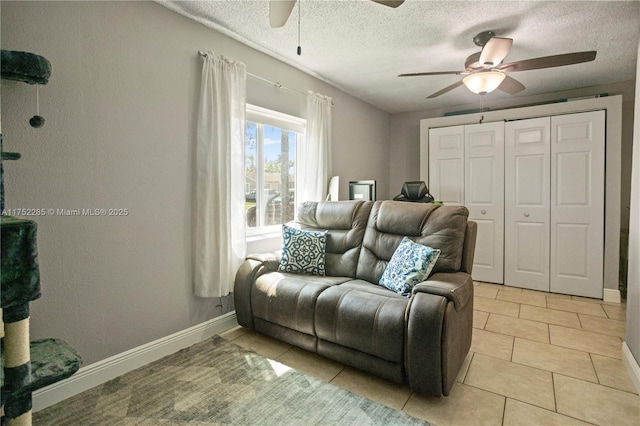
pixel 439 330
pixel 469 248
pixel 254 266
pixel 268 260
pixel 456 287
pixel 423 359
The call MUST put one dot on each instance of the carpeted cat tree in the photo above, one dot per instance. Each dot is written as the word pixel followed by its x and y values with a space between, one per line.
pixel 26 366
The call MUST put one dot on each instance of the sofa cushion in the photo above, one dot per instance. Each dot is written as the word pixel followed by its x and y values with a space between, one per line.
pixel 440 227
pixel 367 287
pixel 345 222
pixel 289 299
pixel 303 251
pixel 410 264
pixel 367 321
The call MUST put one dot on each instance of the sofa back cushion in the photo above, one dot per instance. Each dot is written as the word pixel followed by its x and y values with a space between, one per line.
pixel 439 227
pixel 345 222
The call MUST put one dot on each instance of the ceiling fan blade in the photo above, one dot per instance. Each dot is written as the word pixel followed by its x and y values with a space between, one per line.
pixel 445 90
pixel 279 11
pixel 390 3
pixel 495 50
pixel 549 61
pixel 511 86
pixel 416 74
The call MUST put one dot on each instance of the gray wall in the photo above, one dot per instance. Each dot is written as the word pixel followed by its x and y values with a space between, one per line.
pixel 633 281
pixel 120 110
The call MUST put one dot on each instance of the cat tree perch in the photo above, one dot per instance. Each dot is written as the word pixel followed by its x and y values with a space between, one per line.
pixel 26 366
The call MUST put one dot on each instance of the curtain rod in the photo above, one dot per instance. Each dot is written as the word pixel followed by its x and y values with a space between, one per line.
pixel 275 83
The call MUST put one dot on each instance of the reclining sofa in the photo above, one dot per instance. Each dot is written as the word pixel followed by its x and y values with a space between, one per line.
pixel 345 315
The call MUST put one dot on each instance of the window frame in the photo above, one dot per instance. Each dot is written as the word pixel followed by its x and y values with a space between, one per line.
pixel 268 117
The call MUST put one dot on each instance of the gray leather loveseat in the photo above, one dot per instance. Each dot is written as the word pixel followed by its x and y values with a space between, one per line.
pixel 345 315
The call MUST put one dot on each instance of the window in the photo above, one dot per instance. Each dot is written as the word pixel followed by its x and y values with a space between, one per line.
pixel 271 142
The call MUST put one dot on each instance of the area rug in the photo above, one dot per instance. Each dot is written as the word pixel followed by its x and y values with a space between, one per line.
pixel 216 382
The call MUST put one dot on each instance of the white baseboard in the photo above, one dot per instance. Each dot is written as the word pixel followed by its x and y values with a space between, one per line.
pixel 632 365
pixel 110 368
pixel 611 295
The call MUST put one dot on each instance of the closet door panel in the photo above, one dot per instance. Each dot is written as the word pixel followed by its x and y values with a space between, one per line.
pixel 531 258
pixel 484 197
pixel 484 258
pixel 527 205
pixel 446 164
pixel 571 254
pixel 577 203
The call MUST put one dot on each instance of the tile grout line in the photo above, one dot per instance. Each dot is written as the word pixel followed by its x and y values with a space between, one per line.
pixel 550 372
pixel 555 396
pixel 564 325
pixel 529 366
pixel 612 388
pixel 546 409
pixel 513 347
pixel 337 374
pixel 594 368
pixel 549 333
pixel 542 307
pixel 407 401
pixel 580 322
pixel 514 399
pixel 591 383
pixel 603 318
pixel 473 354
pixel 598 376
pixel 520 337
pixel 520 311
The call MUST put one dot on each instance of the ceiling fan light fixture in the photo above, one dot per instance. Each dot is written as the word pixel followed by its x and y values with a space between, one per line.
pixel 484 82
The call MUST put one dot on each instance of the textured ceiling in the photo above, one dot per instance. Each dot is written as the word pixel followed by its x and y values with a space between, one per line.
pixel 361 47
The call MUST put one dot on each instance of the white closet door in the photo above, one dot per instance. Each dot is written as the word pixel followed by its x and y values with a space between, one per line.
pixel 577 203
pixel 484 197
pixel 527 205
pixel 446 164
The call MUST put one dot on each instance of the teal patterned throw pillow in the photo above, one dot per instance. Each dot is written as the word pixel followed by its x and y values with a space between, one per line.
pixel 303 252
pixel 410 264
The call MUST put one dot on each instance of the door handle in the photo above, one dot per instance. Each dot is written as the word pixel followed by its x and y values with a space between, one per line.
pixel 526 214
pixel 483 211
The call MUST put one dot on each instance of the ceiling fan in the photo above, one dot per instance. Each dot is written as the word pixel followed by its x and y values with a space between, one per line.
pixel 279 10
pixel 486 72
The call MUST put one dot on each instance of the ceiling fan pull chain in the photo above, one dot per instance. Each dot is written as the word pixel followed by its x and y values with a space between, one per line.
pixel 299 47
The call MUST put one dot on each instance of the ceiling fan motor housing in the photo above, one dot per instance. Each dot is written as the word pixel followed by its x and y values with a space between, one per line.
pixel 482 38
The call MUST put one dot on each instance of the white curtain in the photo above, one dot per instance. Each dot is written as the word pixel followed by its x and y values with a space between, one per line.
pixel 315 168
pixel 219 239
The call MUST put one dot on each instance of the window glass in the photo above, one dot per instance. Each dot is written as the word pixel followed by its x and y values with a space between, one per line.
pixel 270 170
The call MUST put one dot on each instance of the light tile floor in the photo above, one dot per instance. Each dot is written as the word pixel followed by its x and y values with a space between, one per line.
pixel 536 359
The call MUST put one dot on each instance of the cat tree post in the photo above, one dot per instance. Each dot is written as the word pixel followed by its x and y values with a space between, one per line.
pixel 17 364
